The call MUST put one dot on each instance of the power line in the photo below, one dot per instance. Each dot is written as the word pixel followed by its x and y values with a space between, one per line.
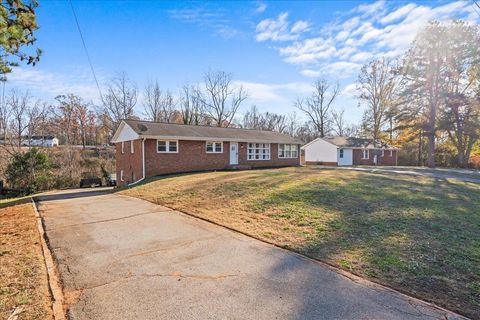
pixel 86 50
pixel 476 4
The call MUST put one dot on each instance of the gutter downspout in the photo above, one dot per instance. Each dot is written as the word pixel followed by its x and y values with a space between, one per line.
pixel 143 164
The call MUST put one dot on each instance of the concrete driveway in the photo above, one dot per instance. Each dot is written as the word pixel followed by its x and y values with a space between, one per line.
pixel 124 258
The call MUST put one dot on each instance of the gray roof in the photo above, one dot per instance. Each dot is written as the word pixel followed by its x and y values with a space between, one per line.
pixel 179 131
pixel 351 142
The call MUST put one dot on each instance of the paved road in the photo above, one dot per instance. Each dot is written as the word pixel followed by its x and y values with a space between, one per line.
pixel 438 173
pixel 124 258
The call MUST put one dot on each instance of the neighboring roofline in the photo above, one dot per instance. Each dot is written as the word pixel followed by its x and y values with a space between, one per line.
pixel 353 148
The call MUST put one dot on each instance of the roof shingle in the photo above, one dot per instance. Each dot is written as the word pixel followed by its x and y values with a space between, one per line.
pixel 165 130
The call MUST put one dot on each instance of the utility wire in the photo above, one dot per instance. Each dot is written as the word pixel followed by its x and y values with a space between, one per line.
pixel 86 50
pixel 476 4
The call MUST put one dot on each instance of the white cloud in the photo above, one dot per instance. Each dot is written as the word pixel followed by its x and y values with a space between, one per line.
pixel 274 97
pixel 397 14
pixel 370 8
pixel 47 85
pixel 310 73
pixel 260 8
pixel 361 56
pixel 350 90
pixel 300 26
pixel 211 19
pixel 279 29
pixel 368 31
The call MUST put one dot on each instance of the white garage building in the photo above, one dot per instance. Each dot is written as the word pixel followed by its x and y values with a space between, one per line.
pixel 347 151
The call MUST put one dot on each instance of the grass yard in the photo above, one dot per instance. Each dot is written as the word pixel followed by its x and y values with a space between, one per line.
pixel 416 234
pixel 23 278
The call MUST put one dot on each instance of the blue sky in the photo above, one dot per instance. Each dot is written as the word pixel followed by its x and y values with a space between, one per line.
pixel 274 49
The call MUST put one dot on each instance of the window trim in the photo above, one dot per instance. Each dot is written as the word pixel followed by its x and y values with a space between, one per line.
pixel 363 154
pixel 167 146
pixel 287 144
pixel 123 147
pixel 121 175
pixel 269 151
pixel 383 153
pixel 213 146
pixel 391 153
pixel 132 149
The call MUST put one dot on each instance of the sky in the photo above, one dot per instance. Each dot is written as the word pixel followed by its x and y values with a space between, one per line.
pixel 276 49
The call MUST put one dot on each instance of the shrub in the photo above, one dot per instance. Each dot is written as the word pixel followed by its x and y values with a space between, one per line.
pixel 29 171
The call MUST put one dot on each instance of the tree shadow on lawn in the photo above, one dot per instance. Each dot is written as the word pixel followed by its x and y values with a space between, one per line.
pixel 419 235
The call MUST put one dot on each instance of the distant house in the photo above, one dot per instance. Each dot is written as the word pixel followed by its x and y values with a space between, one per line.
pixel 347 151
pixel 146 149
pixel 40 141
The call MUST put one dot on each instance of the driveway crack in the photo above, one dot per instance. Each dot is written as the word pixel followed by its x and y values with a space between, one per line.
pixel 108 220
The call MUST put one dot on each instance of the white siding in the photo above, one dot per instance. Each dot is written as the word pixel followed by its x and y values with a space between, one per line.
pixel 124 133
pixel 347 159
pixel 320 151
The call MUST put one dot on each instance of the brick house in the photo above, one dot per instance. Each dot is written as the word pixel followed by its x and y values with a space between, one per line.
pixel 347 151
pixel 145 149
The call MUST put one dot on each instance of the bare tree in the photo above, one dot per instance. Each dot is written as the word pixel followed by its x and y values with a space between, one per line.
pixel 83 119
pixel 317 107
pixel 192 107
pixel 152 101
pixel 119 100
pixel 253 119
pixel 4 114
pixel 158 105
pixel 222 98
pixel 376 85
pixel 36 118
pixel 19 104
pixel 338 121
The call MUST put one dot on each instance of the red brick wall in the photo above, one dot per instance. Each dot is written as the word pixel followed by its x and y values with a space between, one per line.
pixel 131 164
pixel 191 156
pixel 274 161
pixel 386 160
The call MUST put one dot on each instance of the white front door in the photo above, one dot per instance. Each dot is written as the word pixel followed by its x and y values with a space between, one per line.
pixel 233 153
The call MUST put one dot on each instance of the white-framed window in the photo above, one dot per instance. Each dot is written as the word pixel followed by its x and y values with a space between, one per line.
pixel 214 147
pixel 121 175
pixel 123 147
pixel 383 153
pixel 287 150
pixel 341 153
pixel 167 146
pixel 365 154
pixel 391 153
pixel 131 147
pixel 258 151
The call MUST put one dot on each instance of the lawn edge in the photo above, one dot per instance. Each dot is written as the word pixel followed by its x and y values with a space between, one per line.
pixel 54 283
pixel 347 274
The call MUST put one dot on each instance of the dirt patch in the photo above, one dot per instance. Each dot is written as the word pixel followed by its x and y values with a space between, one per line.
pixel 23 278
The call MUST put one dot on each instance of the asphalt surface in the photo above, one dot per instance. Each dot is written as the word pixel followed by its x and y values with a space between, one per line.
pixel 125 258
pixel 437 173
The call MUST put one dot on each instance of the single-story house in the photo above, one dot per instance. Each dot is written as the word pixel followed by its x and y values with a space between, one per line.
pixel 146 149
pixel 347 151
pixel 41 141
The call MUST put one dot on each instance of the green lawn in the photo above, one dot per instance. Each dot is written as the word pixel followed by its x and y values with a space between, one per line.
pixel 416 234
